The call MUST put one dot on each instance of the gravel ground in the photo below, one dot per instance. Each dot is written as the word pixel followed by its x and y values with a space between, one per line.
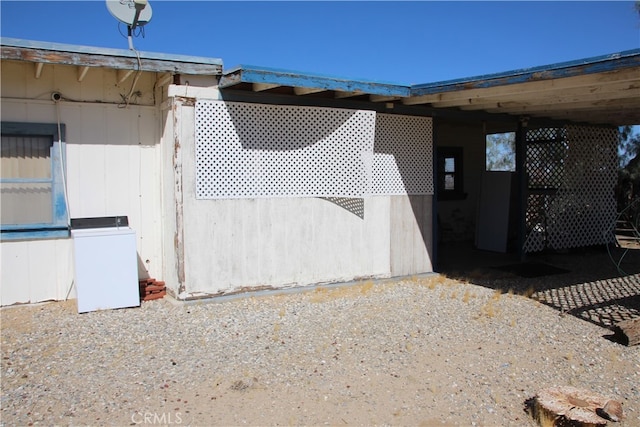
pixel 426 351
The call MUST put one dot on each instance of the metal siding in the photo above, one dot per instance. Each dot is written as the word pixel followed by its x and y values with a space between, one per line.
pixel 112 162
pixel 35 271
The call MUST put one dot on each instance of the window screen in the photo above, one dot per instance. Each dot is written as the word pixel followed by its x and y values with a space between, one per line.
pixel 26 186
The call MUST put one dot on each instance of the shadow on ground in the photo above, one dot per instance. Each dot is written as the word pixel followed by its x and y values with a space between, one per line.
pixel 597 284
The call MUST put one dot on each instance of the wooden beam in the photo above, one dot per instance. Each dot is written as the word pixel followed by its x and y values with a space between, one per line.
pixel 260 87
pixel 382 98
pixel 524 108
pixel 39 67
pixel 164 79
pixel 537 87
pixel 307 90
pixel 587 93
pixel 82 72
pixel 123 75
pixel 343 94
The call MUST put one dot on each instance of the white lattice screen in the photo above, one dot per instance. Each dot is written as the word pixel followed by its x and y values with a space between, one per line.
pixel 403 155
pixel 579 163
pixel 254 150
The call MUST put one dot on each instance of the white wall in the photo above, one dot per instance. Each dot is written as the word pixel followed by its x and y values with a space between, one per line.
pixel 35 271
pixel 229 245
pixel 113 162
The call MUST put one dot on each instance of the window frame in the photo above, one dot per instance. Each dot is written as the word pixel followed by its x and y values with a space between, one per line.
pixel 59 226
pixel 457 193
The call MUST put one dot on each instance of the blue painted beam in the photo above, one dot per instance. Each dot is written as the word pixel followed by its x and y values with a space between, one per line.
pixel 252 74
pixel 600 64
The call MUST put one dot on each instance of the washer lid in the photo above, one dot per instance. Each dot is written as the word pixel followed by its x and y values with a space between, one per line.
pixel 99 222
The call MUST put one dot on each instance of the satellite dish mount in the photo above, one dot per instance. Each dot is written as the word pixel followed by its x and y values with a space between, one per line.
pixel 133 13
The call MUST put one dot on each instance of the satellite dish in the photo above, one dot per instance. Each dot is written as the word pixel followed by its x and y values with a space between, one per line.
pixel 134 13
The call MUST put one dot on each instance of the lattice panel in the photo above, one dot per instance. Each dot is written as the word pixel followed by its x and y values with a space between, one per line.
pixel 536 221
pixel 583 210
pixel 403 155
pixel 252 150
pixel 546 153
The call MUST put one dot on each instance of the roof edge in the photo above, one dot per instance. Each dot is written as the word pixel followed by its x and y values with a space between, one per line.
pixel 104 51
pixel 266 75
pixel 597 64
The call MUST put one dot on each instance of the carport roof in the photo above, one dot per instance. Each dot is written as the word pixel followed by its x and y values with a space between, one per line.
pixel 599 90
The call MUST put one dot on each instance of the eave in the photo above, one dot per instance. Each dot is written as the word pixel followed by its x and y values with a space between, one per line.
pixel 261 79
pixel 85 58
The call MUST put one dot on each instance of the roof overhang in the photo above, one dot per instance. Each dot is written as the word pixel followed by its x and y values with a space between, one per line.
pixel 85 57
pixel 261 79
pixel 602 90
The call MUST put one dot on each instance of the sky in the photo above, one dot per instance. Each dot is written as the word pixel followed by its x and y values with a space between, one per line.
pixel 396 42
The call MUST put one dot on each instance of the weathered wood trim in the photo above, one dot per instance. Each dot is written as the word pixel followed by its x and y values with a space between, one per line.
pixel 602 64
pixel 106 61
pixel 247 74
pixel 178 190
pixel 535 88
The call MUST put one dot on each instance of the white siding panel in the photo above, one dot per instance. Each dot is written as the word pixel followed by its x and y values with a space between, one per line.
pixel 14 275
pixel 113 168
pixel 35 271
pixel 41 261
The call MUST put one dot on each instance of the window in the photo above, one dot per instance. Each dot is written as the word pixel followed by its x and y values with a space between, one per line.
pixel 501 152
pixel 450 173
pixel 32 198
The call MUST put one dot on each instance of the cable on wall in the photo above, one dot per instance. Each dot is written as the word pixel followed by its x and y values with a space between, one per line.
pixel 127 98
pixel 56 99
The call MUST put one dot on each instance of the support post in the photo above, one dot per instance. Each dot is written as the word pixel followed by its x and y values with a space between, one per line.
pixel 522 183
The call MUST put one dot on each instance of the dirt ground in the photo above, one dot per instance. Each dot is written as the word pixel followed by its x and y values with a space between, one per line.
pixel 423 351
